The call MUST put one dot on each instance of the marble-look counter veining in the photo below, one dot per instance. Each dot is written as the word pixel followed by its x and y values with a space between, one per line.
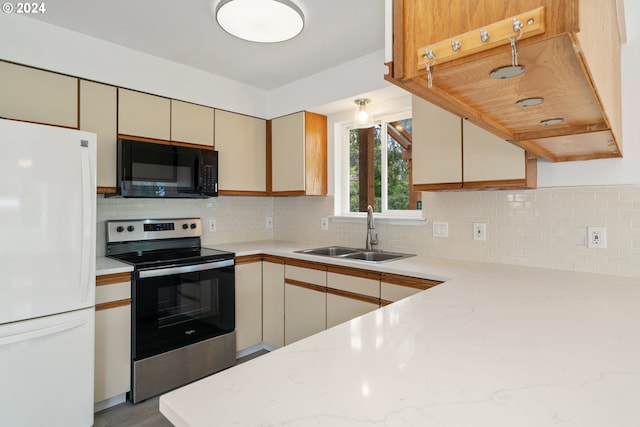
pixel 496 345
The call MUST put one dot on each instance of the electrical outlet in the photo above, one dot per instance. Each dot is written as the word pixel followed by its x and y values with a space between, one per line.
pixel 479 231
pixel 440 229
pixel 324 223
pixel 597 237
pixel 269 222
pixel 212 225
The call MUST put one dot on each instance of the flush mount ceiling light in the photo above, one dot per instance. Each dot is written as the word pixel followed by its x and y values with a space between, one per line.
pixel 262 21
pixel 362 119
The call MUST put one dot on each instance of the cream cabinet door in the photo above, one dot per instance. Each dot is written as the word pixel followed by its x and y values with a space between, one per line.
pixel 113 336
pixel 99 114
pixel 489 158
pixel 305 302
pixel 144 115
pixel 437 145
pixel 113 352
pixel 288 153
pixel 305 312
pixel 341 308
pixel 248 305
pixel 191 123
pixel 38 96
pixel 273 304
pixel 242 153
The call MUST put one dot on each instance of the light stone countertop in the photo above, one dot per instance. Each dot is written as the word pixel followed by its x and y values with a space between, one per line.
pixel 106 266
pixel 496 345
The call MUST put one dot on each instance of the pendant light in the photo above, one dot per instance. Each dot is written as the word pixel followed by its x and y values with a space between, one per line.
pixel 261 21
pixel 362 118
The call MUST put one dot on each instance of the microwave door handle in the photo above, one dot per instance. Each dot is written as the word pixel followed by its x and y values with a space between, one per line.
pixel 159 272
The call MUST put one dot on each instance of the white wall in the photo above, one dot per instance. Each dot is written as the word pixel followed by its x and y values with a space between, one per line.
pixel 39 44
pixel 348 80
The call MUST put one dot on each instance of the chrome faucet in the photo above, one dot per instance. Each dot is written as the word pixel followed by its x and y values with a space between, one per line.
pixel 370 226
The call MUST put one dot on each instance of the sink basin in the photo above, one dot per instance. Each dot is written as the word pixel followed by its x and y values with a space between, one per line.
pixel 355 254
pixel 334 251
pixel 375 256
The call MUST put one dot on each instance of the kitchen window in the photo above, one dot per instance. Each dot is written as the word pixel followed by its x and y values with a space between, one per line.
pixel 375 168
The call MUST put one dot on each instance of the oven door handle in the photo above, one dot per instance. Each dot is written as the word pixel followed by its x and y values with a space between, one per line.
pixel 158 272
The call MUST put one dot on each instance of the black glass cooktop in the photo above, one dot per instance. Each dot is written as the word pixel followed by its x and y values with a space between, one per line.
pixel 173 256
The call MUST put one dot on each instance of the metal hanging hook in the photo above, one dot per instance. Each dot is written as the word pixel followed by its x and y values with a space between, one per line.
pixel 429 55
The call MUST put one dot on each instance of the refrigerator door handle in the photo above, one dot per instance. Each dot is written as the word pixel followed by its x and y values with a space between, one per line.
pixel 85 280
pixel 40 332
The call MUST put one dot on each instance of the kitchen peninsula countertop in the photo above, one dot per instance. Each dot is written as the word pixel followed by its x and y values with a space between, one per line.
pixel 495 345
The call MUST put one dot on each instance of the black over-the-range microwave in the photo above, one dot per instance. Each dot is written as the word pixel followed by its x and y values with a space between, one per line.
pixel 147 169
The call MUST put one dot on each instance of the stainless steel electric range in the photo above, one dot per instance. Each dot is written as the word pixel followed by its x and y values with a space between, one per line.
pixel 183 303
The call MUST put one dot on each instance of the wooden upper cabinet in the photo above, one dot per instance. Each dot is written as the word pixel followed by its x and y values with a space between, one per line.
pixel 299 154
pixel 241 143
pixel 570 51
pixel 98 114
pixel 191 123
pixel 450 153
pixel 38 96
pixel 144 115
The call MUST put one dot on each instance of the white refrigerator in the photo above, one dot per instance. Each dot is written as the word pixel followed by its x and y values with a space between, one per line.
pixel 47 275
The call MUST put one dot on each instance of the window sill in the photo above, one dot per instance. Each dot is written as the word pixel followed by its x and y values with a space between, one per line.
pixel 393 220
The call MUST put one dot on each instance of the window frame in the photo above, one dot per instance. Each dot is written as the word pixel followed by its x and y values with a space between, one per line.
pixel 342 177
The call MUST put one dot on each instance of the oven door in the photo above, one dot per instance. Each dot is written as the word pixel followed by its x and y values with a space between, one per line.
pixel 181 305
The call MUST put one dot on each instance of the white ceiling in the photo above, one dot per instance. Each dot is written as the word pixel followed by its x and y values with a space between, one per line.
pixel 336 31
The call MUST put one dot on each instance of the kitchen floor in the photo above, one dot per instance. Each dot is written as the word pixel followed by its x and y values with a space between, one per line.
pixel 144 414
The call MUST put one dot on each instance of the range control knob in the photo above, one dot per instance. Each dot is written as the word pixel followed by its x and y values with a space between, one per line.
pixel 119 229
pixel 193 225
pixel 185 226
pixel 130 228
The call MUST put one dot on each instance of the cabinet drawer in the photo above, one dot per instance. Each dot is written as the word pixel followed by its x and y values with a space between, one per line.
pixel 306 275
pixel 395 287
pixel 393 293
pixel 358 285
pixel 113 292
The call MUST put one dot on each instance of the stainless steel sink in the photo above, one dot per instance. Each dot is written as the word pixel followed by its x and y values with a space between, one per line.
pixel 333 251
pixel 355 254
pixel 376 256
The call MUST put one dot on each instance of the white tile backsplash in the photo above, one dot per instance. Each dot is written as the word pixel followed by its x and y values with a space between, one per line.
pixel 544 227
pixel 237 218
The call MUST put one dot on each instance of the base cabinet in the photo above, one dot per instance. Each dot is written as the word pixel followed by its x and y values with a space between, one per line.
pixel 248 303
pixel 305 300
pixel 113 336
pixel 305 312
pixel 394 287
pixel 273 303
pixel 342 308
pixel 351 293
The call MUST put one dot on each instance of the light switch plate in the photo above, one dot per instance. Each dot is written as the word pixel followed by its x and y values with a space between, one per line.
pixel 440 229
pixel 324 224
pixel 212 225
pixel 269 222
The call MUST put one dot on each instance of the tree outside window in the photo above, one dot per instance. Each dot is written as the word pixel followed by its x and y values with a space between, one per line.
pixel 380 166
